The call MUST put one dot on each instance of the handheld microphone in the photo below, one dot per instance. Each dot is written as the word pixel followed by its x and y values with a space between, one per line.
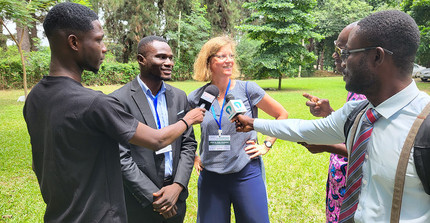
pixel 209 95
pixel 234 107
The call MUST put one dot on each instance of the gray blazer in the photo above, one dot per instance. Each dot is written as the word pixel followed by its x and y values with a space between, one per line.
pixel 142 169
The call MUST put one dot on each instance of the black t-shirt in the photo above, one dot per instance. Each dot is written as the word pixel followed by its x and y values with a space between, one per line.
pixel 74 133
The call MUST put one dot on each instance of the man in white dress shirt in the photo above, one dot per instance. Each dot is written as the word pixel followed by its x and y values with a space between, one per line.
pixel 378 63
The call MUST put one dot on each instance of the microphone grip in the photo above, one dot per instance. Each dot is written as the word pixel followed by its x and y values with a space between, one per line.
pixel 202 105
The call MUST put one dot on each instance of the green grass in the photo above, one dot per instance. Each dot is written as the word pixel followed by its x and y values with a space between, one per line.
pixel 295 178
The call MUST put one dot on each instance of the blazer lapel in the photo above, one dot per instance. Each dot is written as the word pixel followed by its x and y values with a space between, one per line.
pixel 173 118
pixel 141 101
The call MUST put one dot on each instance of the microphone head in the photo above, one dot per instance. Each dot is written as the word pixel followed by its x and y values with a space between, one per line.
pixel 209 95
pixel 229 97
pixel 212 89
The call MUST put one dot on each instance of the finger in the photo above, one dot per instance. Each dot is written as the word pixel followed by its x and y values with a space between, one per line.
pixel 250 147
pixel 310 103
pixel 308 96
pixel 251 151
pixel 250 142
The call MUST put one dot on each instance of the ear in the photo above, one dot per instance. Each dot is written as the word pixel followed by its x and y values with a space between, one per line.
pixel 141 59
pixel 72 41
pixel 380 56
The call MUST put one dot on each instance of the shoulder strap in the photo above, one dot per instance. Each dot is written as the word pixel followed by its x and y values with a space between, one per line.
pixel 353 132
pixel 399 180
pixel 352 117
pixel 249 100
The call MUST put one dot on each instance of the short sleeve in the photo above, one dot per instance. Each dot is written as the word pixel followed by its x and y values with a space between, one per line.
pixel 255 92
pixel 108 115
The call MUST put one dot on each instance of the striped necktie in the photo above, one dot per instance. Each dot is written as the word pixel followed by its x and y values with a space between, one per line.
pixel 355 172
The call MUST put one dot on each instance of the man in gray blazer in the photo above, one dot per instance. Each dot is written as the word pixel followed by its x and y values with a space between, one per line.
pixel 156 182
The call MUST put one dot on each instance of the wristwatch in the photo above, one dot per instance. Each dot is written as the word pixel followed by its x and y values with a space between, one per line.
pixel 268 144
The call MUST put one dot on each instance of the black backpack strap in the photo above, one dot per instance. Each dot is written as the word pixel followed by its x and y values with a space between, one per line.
pixel 351 117
pixel 422 153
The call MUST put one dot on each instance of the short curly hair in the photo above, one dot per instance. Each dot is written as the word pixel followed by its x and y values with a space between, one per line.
pixel 202 71
pixel 69 17
pixel 147 40
pixel 395 31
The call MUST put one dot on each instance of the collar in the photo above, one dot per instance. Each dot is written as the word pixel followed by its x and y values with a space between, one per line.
pixel 398 101
pixel 148 91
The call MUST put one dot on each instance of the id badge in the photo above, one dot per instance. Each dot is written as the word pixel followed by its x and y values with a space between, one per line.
pixel 219 143
pixel 164 150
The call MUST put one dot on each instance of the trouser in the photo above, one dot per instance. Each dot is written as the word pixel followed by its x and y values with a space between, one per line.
pixel 244 189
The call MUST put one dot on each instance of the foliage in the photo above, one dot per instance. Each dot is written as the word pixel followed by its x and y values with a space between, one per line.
pixel 194 32
pixel 332 16
pixel 419 10
pixel 246 50
pixel 111 72
pixel 129 21
pixel 21 13
pixel 282 25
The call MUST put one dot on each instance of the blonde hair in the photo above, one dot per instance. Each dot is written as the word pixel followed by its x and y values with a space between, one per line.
pixel 202 71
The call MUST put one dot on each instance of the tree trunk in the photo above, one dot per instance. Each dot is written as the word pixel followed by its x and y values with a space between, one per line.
pixel 321 65
pixel 3 38
pixel 25 43
pixel 279 82
pixel 33 36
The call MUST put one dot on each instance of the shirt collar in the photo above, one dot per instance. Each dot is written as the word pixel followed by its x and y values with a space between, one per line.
pixel 396 102
pixel 148 91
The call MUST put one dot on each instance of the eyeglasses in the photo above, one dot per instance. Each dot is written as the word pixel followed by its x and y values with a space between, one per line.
pixel 224 57
pixel 344 54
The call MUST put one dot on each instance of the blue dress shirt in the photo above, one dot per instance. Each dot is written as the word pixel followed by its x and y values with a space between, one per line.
pixel 379 167
pixel 162 120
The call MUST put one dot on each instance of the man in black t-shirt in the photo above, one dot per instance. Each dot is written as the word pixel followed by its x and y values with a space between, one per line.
pixel 74 131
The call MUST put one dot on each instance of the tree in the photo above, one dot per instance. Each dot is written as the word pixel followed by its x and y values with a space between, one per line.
pixel 419 10
pixel 193 31
pixel 281 26
pixel 332 16
pixel 21 13
pixel 127 22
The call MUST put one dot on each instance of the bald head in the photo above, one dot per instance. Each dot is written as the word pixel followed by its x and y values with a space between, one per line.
pixel 341 41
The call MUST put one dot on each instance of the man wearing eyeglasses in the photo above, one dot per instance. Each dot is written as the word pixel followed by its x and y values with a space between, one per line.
pixel 156 182
pixel 378 60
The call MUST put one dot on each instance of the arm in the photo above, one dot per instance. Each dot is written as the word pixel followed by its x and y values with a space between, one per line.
pixel 156 139
pixel 165 199
pixel 336 148
pixel 136 181
pixel 274 109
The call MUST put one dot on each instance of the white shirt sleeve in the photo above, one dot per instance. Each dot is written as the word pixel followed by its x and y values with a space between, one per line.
pixel 329 130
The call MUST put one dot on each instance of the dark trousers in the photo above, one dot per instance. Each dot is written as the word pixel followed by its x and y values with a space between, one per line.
pixel 244 189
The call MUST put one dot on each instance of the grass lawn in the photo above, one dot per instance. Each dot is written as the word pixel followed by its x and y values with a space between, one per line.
pixel 295 178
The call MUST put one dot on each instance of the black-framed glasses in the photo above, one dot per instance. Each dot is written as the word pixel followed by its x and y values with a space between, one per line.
pixel 344 54
pixel 224 57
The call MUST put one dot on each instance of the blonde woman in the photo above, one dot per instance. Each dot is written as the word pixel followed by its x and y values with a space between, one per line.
pixel 229 162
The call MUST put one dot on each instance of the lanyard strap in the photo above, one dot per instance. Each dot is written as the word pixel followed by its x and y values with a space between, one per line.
pixel 222 109
pixel 155 101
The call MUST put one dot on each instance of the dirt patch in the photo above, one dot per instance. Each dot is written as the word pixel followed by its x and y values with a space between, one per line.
pixel 324 73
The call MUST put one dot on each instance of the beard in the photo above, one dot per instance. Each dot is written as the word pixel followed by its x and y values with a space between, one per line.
pixel 359 79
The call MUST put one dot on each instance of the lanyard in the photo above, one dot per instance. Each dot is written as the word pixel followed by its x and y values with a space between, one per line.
pixel 155 110
pixel 222 109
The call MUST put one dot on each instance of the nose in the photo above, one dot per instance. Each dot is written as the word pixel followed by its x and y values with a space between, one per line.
pixel 343 64
pixel 104 49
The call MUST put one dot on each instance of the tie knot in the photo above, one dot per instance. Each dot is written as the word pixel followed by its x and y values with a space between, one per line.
pixel 372 115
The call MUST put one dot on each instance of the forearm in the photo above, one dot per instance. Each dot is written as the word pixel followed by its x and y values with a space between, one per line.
pixel 295 130
pixel 156 139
